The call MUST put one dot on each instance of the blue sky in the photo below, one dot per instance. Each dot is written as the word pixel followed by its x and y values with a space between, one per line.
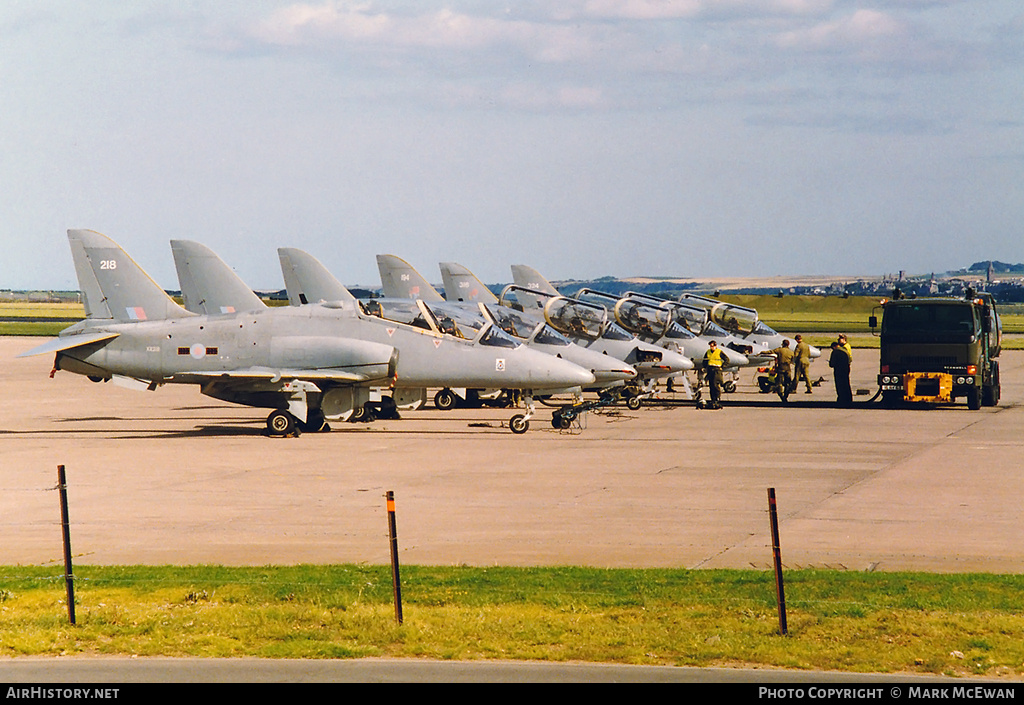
pixel 583 137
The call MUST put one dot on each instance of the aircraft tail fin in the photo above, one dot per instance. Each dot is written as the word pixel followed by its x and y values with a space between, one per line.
pixel 208 285
pixel 460 284
pixel 401 281
pixel 529 278
pixel 113 286
pixel 308 281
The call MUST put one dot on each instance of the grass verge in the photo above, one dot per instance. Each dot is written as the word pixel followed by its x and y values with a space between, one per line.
pixel 855 622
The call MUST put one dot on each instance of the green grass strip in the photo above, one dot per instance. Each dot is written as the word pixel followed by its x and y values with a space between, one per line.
pixel 850 621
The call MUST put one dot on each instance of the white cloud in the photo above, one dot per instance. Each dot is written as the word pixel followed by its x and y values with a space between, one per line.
pixel 360 26
pixel 856 30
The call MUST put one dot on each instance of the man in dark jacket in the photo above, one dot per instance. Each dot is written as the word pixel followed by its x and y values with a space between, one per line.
pixel 839 361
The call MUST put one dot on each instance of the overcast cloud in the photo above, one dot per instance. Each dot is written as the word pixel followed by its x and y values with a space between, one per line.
pixel 583 137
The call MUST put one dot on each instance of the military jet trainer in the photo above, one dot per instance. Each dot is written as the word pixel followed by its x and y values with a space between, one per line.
pixel 305 365
pixel 400 280
pixel 427 355
pixel 583 323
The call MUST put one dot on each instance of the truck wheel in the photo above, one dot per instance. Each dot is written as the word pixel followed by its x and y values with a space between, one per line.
pixel 973 398
pixel 990 393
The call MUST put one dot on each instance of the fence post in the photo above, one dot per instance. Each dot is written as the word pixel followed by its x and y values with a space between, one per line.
pixel 393 535
pixel 780 593
pixel 69 576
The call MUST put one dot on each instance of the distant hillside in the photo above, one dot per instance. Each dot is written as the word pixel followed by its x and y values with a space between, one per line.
pixel 997 268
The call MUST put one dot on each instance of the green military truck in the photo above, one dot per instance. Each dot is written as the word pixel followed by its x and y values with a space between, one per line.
pixel 938 350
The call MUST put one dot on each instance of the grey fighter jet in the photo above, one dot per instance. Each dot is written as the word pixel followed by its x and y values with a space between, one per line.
pixel 742 322
pixel 308 280
pixel 400 280
pixel 135 335
pixel 428 355
pixel 660 324
pixel 586 324
pixel 306 364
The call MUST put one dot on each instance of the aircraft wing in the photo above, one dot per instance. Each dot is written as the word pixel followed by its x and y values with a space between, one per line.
pixel 273 375
pixel 69 341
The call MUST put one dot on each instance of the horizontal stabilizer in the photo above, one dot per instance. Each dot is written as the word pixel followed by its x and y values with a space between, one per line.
pixel 69 341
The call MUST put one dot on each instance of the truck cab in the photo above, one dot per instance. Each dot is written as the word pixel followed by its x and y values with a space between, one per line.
pixel 938 350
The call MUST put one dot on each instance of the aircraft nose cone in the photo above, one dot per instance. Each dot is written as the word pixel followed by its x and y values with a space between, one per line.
pixel 573 375
pixel 736 359
pixel 815 352
pixel 676 362
pixel 619 374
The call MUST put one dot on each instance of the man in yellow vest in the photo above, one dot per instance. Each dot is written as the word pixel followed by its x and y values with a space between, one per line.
pixel 714 361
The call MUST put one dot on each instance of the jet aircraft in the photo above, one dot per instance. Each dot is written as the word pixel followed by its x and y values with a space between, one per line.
pixel 400 280
pixel 742 322
pixel 306 365
pixel 479 355
pixel 135 335
pixel 661 325
pixel 308 280
pixel 584 323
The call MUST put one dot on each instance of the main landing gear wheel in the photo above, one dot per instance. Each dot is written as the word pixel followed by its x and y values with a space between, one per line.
pixel 282 423
pixel 445 400
pixel 314 423
pixel 519 424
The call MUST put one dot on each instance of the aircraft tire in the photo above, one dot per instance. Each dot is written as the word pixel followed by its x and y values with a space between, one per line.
pixel 729 387
pixel 519 424
pixel 281 423
pixel 633 403
pixel 445 400
pixel 314 423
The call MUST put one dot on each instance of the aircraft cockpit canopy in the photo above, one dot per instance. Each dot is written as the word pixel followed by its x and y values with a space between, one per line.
pixel 762 328
pixel 519 325
pixel 643 320
pixel 462 323
pixel 439 318
pixel 738 320
pixel 676 331
pixel 575 318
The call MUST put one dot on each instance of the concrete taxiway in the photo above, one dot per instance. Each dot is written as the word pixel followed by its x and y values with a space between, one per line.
pixel 174 477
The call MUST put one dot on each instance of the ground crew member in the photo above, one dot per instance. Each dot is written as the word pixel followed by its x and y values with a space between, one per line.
pixel 714 361
pixel 840 361
pixel 802 360
pixel 783 368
